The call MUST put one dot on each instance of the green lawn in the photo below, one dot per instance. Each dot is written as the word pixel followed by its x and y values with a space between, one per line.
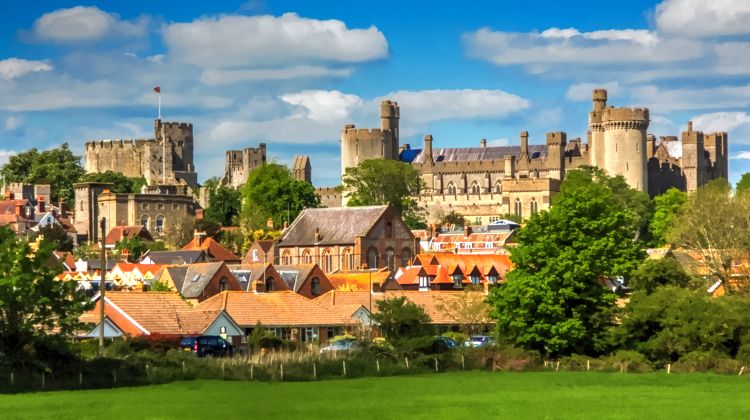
pixel 467 395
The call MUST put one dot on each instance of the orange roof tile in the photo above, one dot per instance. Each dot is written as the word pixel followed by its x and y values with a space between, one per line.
pixel 157 312
pixel 214 249
pixel 357 280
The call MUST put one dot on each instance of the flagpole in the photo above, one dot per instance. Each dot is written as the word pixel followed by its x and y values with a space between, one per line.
pixel 159 114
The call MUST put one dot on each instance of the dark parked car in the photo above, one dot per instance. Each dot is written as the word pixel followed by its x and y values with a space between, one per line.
pixel 207 345
pixel 443 344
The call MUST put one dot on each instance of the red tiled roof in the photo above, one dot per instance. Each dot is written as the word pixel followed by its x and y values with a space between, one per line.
pixel 118 233
pixel 157 312
pixel 214 249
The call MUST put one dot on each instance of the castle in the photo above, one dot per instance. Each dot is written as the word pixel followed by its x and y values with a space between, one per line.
pixel 166 159
pixel 484 183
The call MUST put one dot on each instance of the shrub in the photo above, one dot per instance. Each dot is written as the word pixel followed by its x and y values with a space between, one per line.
pixel 458 336
pixel 629 361
pixel 703 361
pixel 582 362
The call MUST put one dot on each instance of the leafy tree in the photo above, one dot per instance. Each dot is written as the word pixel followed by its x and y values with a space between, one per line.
pixel 672 322
pixel 716 225
pixel 121 184
pixel 211 228
pixel 381 181
pixel 743 185
pixel 666 207
pixel 33 305
pixel 224 206
pixel 85 251
pixel 469 309
pixel 402 318
pixel 272 192
pixel 159 286
pixel 134 246
pixel 553 301
pixel 453 218
pixel 58 167
pixel 179 233
pixel 212 184
pixel 57 236
pixel 655 273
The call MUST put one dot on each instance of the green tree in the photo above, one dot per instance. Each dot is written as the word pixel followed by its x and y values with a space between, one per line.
pixel 272 192
pixel 58 167
pixel 134 246
pixel 666 207
pixel 467 308
pixel 716 225
pixel 655 273
pixel 401 318
pixel 385 181
pixel 554 301
pixel 121 184
pixel 743 185
pixel 224 206
pixel 57 236
pixel 33 305
pixel 453 218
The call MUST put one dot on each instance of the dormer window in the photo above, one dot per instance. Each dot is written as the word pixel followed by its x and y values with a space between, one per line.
pixel 424 282
pixel 457 279
pixel 475 279
pixel 492 278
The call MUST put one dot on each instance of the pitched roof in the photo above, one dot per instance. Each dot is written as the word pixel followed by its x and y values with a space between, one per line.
pixel 177 257
pixel 197 278
pixel 196 321
pixel 294 275
pixel 214 249
pixel 473 154
pixel 9 206
pixel 176 273
pixel 284 308
pixel 154 311
pixel 118 233
pixel 336 225
pixel 433 302
pixel 265 244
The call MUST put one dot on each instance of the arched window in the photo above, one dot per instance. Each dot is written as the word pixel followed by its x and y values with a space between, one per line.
pixel 286 258
pixel 405 257
pixel 306 257
pixel 315 287
pixel 347 260
pixel 475 189
pixel 223 284
pixel 144 221
pixel 269 284
pixel 81 205
pixel 390 258
pixel 372 258
pixel 389 230
pixel 160 225
pixel 498 187
pixel 534 206
pixel 518 210
pixel 327 261
pixel 451 188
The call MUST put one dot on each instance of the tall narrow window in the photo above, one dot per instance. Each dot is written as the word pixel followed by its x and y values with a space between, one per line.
pixel 405 257
pixel 286 258
pixel 498 187
pixel 389 230
pixel 315 288
pixel 345 260
pixel 269 284
pixel 160 225
pixel 372 258
pixel 390 258
pixel 327 261
pixel 144 221
pixel 518 209
pixel 457 280
pixel 451 188
pixel 222 284
pixel 306 257
pixel 475 188
pixel 534 206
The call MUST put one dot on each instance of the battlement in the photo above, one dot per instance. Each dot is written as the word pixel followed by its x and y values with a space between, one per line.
pixel 557 138
pixel 625 114
pixel 116 143
pixel 365 132
pixel 174 125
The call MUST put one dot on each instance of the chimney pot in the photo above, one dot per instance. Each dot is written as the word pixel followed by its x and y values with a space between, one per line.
pixel 269 223
pixel 690 126
pixel 483 143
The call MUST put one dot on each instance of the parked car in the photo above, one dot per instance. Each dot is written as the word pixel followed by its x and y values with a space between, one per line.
pixel 346 344
pixel 479 341
pixel 207 345
pixel 443 344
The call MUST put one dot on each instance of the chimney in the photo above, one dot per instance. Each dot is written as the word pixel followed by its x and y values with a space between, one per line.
pixel 524 143
pixel 269 223
pixel 286 224
pixel 40 204
pixel 199 214
pixel 10 195
pixel 690 126
pixel 427 148
pixel 483 143
pixel 200 236
pixel 467 230
pixel 19 209
pixel 317 235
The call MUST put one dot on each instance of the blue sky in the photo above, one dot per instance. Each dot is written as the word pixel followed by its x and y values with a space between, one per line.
pixel 292 73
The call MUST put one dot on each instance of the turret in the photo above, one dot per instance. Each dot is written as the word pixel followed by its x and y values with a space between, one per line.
pixel 427 152
pixel 624 138
pixel 389 117
pixel 524 144
pixel 599 99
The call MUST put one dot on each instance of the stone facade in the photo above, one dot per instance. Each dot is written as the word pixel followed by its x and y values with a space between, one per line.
pixel 240 163
pixel 485 183
pixel 165 159
pixel 301 169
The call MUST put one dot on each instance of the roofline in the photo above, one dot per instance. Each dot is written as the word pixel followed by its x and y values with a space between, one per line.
pixel 128 317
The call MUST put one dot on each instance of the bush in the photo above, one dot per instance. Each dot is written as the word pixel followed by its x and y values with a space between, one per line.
pixel 703 361
pixel 629 361
pixel 504 357
pixel 582 363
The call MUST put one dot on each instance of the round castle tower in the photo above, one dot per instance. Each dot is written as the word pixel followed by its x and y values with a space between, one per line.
pixel 618 140
pixel 360 144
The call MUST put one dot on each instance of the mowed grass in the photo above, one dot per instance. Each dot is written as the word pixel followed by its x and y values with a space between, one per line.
pixel 465 395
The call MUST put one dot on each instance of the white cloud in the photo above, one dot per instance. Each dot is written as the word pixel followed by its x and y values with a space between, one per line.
pixel 80 24
pixel 5 156
pixel 498 142
pixel 16 67
pixel 677 99
pixel 741 155
pixel 445 104
pixel 720 121
pixel 322 105
pixel 582 91
pixel 696 18
pixel 570 46
pixel 222 77
pixel 263 41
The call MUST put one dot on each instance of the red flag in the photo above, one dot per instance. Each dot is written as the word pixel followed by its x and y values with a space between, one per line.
pixel 157 89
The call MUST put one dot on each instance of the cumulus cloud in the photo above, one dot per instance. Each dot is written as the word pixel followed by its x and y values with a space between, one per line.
pixel 582 91
pixel 12 68
pixel 720 121
pixel 741 155
pixel 699 18
pixel 679 99
pixel 80 24
pixel 322 105
pixel 263 41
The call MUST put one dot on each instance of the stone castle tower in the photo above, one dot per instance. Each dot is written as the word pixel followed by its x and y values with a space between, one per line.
pixel 165 159
pixel 360 144
pixel 301 169
pixel 240 163
pixel 617 140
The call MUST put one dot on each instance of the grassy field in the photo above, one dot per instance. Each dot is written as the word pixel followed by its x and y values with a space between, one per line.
pixel 468 395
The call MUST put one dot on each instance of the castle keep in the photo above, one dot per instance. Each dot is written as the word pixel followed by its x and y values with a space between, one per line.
pixel 484 183
pixel 165 159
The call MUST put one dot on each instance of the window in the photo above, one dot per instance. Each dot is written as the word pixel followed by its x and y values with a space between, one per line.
pixel 518 209
pixel 175 206
pixel 405 257
pixel 222 284
pixel 347 260
pixel 534 206
pixel 160 206
pixel 475 279
pixel 372 258
pixel 475 188
pixel 499 187
pixel 333 332
pixel 451 188
pixel 81 205
pixel 327 261
pixel 144 221
pixel 424 282
pixel 269 284
pixel 315 288
pixel 306 257
pixel 389 230
pixel 160 225
pixel 309 334
pixel 457 278
pixel 492 278
pixel 255 255
pixel 286 258
pixel 390 258
pixel 144 206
